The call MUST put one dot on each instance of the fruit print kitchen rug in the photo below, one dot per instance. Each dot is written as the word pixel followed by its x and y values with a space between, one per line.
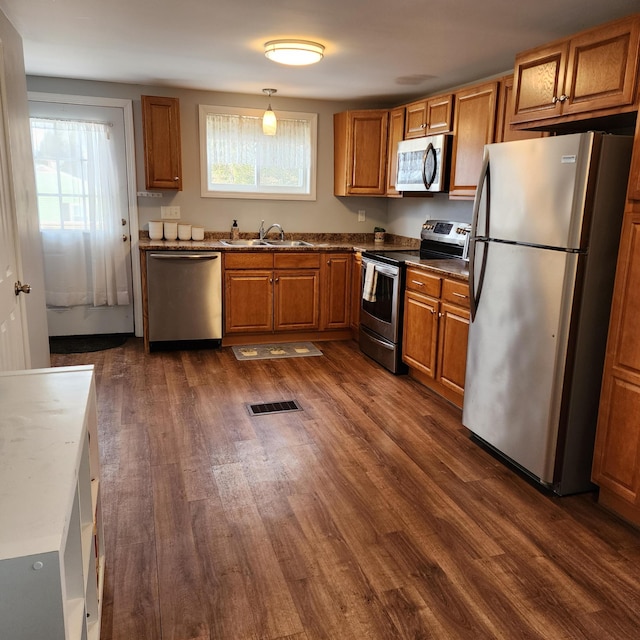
pixel 269 351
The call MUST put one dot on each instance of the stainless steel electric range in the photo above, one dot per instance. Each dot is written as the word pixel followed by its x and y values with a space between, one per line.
pixel 383 278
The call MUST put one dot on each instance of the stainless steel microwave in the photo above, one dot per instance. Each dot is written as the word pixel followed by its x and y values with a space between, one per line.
pixel 422 164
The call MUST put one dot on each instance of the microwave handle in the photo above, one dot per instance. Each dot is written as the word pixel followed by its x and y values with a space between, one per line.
pixel 429 181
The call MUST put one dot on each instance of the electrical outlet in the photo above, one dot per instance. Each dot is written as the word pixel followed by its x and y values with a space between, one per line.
pixel 362 215
pixel 170 213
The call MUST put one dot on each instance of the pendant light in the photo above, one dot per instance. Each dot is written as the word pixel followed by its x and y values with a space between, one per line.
pixel 269 122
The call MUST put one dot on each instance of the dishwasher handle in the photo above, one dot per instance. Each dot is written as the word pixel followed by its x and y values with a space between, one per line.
pixel 184 256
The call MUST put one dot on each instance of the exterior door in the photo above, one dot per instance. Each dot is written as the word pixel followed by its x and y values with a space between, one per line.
pixel 14 353
pixel 87 319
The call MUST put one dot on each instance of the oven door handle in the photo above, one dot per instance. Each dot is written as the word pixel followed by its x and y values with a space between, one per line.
pixel 382 268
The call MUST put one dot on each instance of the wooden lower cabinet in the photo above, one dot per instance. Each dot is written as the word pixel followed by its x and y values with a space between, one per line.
pixel 296 300
pixel 435 332
pixel 336 290
pixel 283 294
pixel 616 463
pixel 287 293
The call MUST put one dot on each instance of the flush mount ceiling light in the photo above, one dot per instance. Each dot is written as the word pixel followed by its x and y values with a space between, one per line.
pixel 269 122
pixel 294 52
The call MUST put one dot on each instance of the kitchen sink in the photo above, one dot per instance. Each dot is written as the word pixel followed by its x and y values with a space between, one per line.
pixel 243 243
pixel 287 243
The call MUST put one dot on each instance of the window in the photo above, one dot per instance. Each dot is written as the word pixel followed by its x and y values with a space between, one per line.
pixel 237 160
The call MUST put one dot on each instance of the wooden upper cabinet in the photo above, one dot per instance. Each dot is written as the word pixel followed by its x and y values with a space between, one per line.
pixel 439 114
pixel 415 120
pixel 474 126
pixel 360 152
pixel 162 151
pixel 504 132
pixel 396 133
pixel 428 117
pixel 591 72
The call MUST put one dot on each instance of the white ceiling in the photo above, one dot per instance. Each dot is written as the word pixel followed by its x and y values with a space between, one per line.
pixel 376 50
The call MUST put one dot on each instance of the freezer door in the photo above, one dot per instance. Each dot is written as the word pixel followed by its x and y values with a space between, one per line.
pixel 536 190
pixel 517 350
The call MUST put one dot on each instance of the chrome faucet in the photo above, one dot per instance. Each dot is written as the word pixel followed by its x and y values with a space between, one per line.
pixel 262 234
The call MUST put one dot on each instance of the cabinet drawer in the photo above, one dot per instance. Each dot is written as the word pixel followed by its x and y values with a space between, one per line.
pixel 287 260
pixel 423 282
pixel 248 260
pixel 456 292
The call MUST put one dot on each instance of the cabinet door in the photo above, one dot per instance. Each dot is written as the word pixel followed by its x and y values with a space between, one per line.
pixel 248 301
pixel 356 290
pixel 616 466
pixel 420 337
pixel 336 287
pixel 415 121
pixel 396 131
pixel 452 347
pixel 539 82
pixel 439 112
pixel 504 132
pixel 475 116
pixel 161 133
pixel 360 152
pixel 602 65
pixel 297 298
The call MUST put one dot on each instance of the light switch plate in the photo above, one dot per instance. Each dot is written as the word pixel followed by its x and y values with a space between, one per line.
pixel 170 213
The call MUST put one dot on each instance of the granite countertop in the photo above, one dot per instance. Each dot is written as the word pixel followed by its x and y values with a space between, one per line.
pixel 454 267
pixel 320 241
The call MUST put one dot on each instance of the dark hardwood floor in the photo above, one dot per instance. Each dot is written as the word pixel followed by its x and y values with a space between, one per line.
pixel 368 515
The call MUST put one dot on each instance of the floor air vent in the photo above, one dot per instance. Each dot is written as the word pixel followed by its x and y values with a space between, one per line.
pixel 273 407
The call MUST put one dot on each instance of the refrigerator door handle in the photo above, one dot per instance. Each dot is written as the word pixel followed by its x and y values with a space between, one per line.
pixel 485 178
pixel 475 293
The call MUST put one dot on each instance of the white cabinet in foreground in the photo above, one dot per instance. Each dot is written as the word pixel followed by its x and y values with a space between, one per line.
pixel 51 542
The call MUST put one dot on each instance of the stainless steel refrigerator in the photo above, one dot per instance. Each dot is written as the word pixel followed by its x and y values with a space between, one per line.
pixel 544 241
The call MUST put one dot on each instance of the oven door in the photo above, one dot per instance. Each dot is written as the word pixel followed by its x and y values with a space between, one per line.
pixel 382 315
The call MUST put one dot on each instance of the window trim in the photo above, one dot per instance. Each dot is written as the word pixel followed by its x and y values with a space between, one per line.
pixel 205 192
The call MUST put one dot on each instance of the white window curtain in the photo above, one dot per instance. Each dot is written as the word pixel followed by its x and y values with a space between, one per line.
pixel 80 216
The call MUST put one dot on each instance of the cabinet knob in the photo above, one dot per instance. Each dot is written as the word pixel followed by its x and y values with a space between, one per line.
pixel 562 98
pixel 176 178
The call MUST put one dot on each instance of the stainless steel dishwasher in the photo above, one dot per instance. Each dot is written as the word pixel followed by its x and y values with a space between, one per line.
pixel 184 297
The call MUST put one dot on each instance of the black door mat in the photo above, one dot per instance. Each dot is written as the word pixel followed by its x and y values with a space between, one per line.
pixel 85 344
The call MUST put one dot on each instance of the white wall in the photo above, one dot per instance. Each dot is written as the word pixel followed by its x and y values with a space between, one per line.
pixel 406 215
pixel 328 213
pixel 23 193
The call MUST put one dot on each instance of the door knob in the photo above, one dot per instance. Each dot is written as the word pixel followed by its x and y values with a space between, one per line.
pixel 22 288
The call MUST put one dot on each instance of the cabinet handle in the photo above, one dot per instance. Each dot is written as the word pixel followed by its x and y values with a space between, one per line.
pixel 460 295
pixel 420 284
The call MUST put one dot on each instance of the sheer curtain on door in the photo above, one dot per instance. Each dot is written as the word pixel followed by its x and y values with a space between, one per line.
pixel 80 217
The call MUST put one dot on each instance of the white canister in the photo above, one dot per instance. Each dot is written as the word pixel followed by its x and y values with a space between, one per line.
pixel 184 231
pixel 197 233
pixel 170 230
pixel 156 229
